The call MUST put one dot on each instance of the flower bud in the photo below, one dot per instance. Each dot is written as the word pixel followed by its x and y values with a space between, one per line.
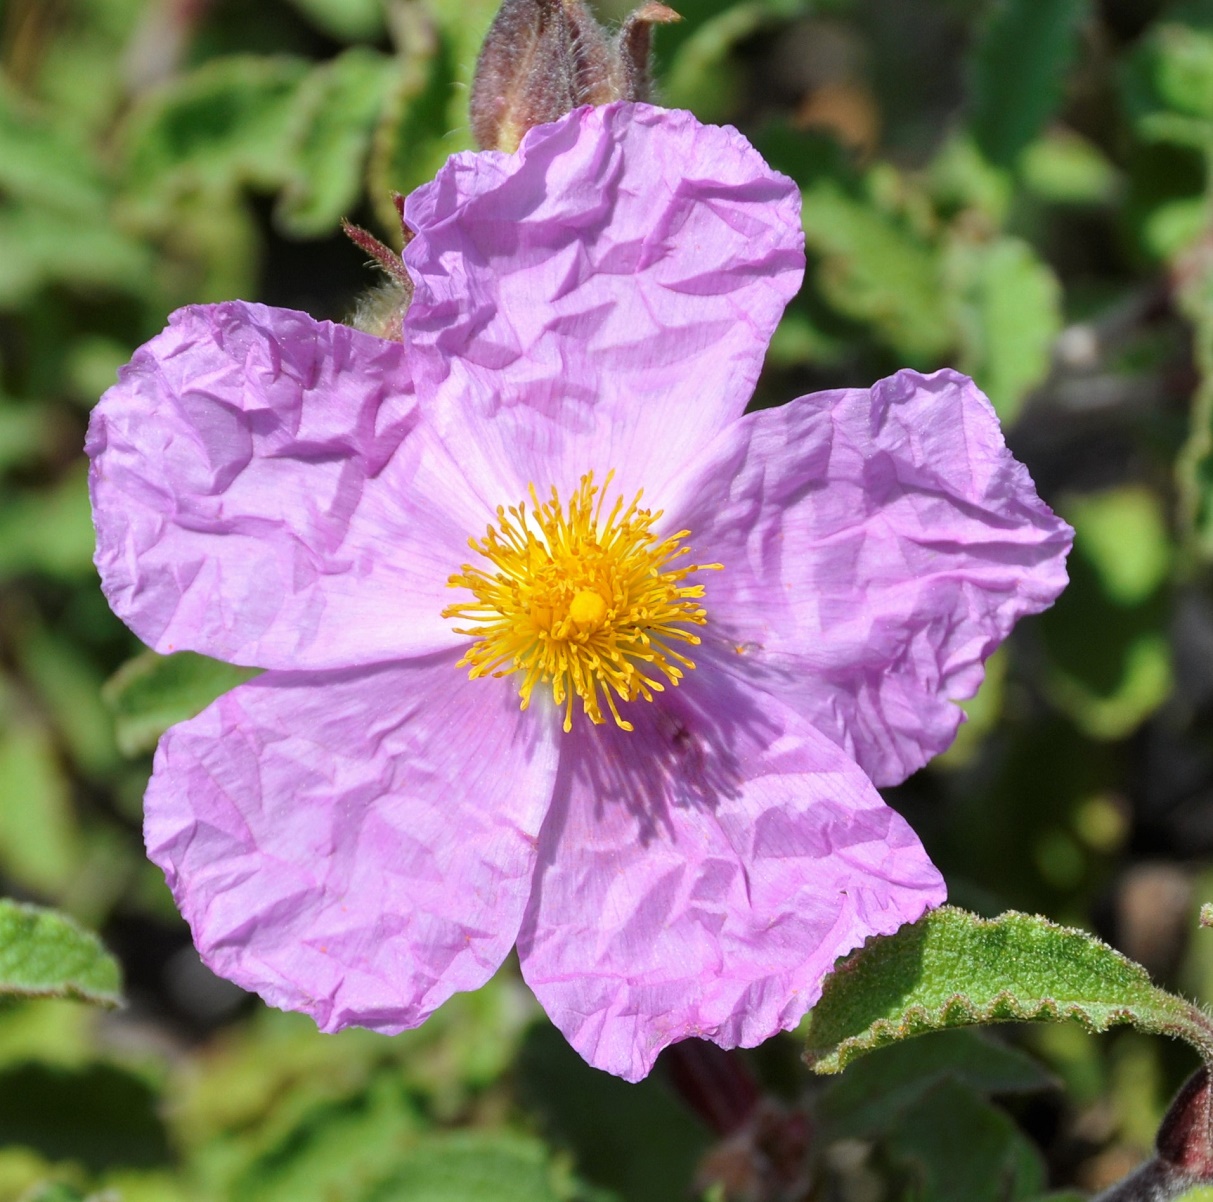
pixel 1185 1137
pixel 543 58
pixel 526 73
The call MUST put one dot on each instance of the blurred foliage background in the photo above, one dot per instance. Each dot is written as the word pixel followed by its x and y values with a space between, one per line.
pixel 1020 188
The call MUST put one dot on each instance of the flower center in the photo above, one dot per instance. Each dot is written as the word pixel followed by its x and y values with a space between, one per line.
pixel 589 605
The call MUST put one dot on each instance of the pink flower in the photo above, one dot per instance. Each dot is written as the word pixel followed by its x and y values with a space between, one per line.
pixel 371 824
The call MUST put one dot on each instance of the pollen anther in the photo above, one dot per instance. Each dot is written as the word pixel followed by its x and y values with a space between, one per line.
pixel 584 604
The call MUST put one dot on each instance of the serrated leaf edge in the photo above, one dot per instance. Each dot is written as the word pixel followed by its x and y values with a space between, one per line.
pixel 1003 1007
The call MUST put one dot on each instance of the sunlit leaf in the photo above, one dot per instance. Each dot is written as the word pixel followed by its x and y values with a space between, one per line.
pixel 50 530
pixel 1122 532
pixel 39 843
pixel 45 954
pixel 1172 70
pixel 1143 685
pixel 40 164
pixel 953 969
pixel 1065 168
pixel 1008 304
pixel 1174 225
pixel 225 124
pixel 336 110
pixel 873 270
pixel 69 687
pixel 471 1167
pixel 1109 658
pixel 40 246
pixel 961 177
pixel 335 1151
pixel 350 20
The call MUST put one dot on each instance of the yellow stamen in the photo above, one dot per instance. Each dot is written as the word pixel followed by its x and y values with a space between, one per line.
pixel 585 605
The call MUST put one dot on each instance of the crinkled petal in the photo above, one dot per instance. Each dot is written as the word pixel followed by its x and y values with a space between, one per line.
pixel 262 493
pixel 617 279
pixel 878 546
pixel 358 846
pixel 701 874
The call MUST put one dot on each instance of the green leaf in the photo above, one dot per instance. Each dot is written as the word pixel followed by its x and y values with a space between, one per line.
pixel 100 1115
pixel 350 20
pixel 953 969
pixel 959 1148
pixel 45 954
pixel 225 124
pixel 68 686
pixel 1172 72
pixel 961 177
pixel 635 1139
pixel 700 77
pixel 39 843
pixel 1019 71
pixel 1174 225
pixel 56 1191
pixel 1065 168
pixel 1122 532
pixel 1144 683
pixel 25 433
pixel 50 530
pixel 876 271
pixel 414 139
pixel 871 1097
pixel 338 106
pixel 151 692
pixel 425 119
pixel 471 1167
pixel 43 165
pixel 1008 304
pixel 1109 659
pixel 40 245
pixel 333 1151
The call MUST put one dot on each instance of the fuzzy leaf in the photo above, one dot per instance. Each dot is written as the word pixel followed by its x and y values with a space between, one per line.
pixel 954 969
pixel 151 692
pixel 45 954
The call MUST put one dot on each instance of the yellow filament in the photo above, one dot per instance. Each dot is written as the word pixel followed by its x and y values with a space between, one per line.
pixel 587 605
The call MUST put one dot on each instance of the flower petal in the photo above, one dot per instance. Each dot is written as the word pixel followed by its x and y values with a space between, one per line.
pixel 701 874
pixel 262 494
pixel 358 846
pixel 878 546
pixel 619 277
